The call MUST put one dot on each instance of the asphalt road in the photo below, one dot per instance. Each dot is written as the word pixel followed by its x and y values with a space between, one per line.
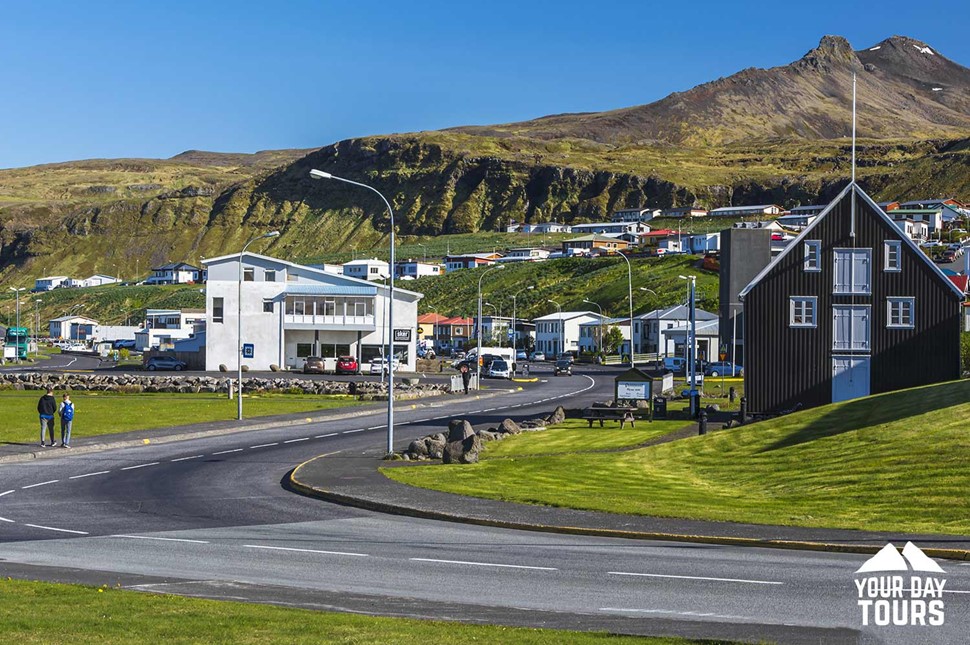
pixel 210 517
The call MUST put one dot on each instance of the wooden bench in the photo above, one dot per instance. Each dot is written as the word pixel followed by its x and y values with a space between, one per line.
pixel 601 414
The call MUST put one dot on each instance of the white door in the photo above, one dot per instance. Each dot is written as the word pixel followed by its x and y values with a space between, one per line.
pixel 850 377
pixel 851 328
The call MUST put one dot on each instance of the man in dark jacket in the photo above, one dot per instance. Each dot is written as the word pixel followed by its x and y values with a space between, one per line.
pixel 46 408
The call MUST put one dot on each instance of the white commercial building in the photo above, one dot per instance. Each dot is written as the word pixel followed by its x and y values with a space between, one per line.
pixel 71 328
pixel 291 312
pixel 557 332
pixel 49 283
pixel 372 269
pixel 164 326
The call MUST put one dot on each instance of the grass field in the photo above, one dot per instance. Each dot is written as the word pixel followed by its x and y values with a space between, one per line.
pixel 33 613
pixel 99 413
pixel 891 462
pixel 574 435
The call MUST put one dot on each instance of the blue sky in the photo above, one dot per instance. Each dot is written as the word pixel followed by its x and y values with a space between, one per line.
pixel 151 79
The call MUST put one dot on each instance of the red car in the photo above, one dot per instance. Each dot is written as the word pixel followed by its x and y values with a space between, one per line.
pixel 347 365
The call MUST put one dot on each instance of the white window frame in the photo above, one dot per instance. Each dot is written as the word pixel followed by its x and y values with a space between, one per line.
pixel 793 302
pixel 903 301
pixel 852 277
pixel 852 340
pixel 888 246
pixel 813 256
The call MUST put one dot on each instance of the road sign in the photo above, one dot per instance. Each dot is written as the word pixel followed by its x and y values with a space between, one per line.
pixel 723 356
pixel 249 350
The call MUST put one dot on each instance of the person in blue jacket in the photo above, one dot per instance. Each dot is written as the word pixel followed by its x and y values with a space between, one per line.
pixel 67 419
pixel 46 407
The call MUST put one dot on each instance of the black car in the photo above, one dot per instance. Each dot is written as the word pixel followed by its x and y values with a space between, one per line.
pixel 564 365
pixel 165 363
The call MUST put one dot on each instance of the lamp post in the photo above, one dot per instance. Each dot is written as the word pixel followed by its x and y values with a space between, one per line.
pixel 657 310
pixel 37 325
pixel 239 349
pixel 319 174
pixel 629 276
pixel 478 352
pixel 515 334
pixel 691 349
pixel 424 249
pixel 17 290
pixel 600 343
pixel 562 332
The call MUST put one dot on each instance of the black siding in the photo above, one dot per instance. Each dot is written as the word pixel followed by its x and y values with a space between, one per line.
pixel 786 366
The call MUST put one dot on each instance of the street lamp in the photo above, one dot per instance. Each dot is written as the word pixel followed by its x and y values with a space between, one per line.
pixel 424 248
pixel 562 333
pixel 37 324
pixel 515 334
pixel 17 290
pixel 657 309
pixel 319 174
pixel 478 352
pixel 239 349
pixel 691 337
pixel 629 275
pixel 598 307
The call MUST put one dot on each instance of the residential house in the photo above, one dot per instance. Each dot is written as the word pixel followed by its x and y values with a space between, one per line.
pixel 888 206
pixel 661 241
pixel 72 328
pixel 164 326
pixel 175 273
pixel 650 329
pixel 427 330
pixel 706 334
pixel 291 311
pixel 99 280
pixel 852 307
pixel 496 330
pixel 771 225
pixel 367 269
pixel 932 216
pixel 759 210
pixel 808 210
pixel 593 244
pixel 610 228
pixel 50 282
pixel 544 227
pixel 591 341
pixel 796 221
pixel 684 211
pixel 701 243
pixel 914 230
pixel 454 333
pixel 932 203
pixel 469 261
pixel 412 269
pixel 634 214
pixel 558 332
pixel 525 255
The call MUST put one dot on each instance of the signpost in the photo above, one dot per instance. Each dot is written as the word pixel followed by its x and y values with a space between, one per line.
pixel 249 350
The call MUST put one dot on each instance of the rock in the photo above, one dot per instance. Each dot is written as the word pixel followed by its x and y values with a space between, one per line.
pixel 274 368
pixel 223 368
pixel 418 447
pixel 459 430
pixel 462 452
pixel 713 407
pixel 558 416
pixel 508 426
pixel 436 446
pixel 485 436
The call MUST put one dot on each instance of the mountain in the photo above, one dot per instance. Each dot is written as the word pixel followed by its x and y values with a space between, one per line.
pixel 775 135
pixel 906 89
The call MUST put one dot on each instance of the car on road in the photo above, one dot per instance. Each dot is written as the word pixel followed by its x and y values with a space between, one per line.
pixel 347 365
pixel 564 365
pixel 314 365
pixel 165 363
pixel 724 368
pixel 498 368
pixel 537 356
pixel 379 365
pixel 521 355
pixel 948 256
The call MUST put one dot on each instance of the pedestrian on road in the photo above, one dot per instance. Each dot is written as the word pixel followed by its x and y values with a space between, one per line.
pixel 67 419
pixel 466 376
pixel 46 407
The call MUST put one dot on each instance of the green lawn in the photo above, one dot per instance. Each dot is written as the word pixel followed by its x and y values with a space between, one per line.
pixel 99 413
pixel 891 462
pixel 574 435
pixel 38 612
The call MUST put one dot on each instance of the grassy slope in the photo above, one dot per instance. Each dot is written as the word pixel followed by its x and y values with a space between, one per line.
pixel 574 435
pixel 36 612
pixel 890 462
pixel 100 413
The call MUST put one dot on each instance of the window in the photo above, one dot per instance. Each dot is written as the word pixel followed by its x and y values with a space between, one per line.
pixel 899 314
pixel 217 307
pixel 373 270
pixel 292 277
pixel 269 275
pixel 813 249
pixel 852 271
pixel 892 251
pixel 304 349
pixel 802 311
pixel 249 274
pixel 850 327
pixel 267 306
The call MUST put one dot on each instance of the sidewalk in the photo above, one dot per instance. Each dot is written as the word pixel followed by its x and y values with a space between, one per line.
pixel 354 480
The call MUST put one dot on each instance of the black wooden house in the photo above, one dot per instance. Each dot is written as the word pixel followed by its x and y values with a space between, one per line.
pixel 851 307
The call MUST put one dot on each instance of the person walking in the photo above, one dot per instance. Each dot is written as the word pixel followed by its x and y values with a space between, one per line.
pixel 67 419
pixel 466 376
pixel 46 407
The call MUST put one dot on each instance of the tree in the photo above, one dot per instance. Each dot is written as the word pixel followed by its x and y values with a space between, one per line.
pixel 612 340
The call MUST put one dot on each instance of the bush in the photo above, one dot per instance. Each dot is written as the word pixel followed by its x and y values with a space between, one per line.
pixel 124 353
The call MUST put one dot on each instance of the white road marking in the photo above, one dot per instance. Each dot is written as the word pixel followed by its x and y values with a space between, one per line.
pixel 264 445
pixel 670 611
pixel 955 591
pixel 225 452
pixel 154 463
pixel 283 548
pixel 100 472
pixel 3 519
pixel 53 481
pixel 489 410
pixel 375 427
pixel 295 440
pixel 444 416
pixel 353 431
pixel 419 421
pixel 331 434
pixel 186 458
pixel 484 564
pixel 51 528
pixel 161 539
pixel 664 575
pixel 6 492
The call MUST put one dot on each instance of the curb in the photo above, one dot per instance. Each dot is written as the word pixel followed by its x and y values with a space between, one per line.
pixel 392 509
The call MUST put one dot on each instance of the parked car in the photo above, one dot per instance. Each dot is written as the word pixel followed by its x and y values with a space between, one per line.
pixel 678 365
pixel 380 365
pixel 165 363
pixel 724 368
pixel 313 365
pixel 567 357
pixel 347 365
pixel 426 353
pixel 564 365
pixel 537 356
pixel 498 368
pixel 521 355
pixel 948 256
pixel 122 343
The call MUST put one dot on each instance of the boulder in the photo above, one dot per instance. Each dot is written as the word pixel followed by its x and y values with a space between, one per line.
pixel 418 447
pixel 459 430
pixel 558 416
pixel 436 446
pixel 486 435
pixel 508 426
pixel 462 452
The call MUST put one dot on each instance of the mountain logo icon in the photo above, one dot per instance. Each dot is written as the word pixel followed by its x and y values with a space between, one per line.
pixel 889 559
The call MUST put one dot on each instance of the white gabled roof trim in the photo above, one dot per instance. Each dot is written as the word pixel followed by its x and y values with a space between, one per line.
pixel 796 243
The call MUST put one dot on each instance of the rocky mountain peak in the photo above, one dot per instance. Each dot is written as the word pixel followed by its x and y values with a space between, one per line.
pixel 832 51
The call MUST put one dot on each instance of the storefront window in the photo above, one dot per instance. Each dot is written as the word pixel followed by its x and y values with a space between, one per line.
pixel 304 349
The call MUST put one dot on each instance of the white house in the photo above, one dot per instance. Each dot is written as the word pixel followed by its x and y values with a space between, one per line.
pixel 372 269
pixel 607 228
pixel 589 334
pixel 545 227
pixel 175 273
pixel 648 327
pixel 72 328
pixel 49 283
pixel 412 269
pixel 914 230
pixel 747 211
pixel 495 328
pixel 164 326
pixel 771 225
pixel 99 279
pixel 702 242
pixel 797 221
pixel 469 261
pixel 684 211
pixel 560 332
pixel 291 312
pixel 525 255
pixel 706 335
pixel 635 214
